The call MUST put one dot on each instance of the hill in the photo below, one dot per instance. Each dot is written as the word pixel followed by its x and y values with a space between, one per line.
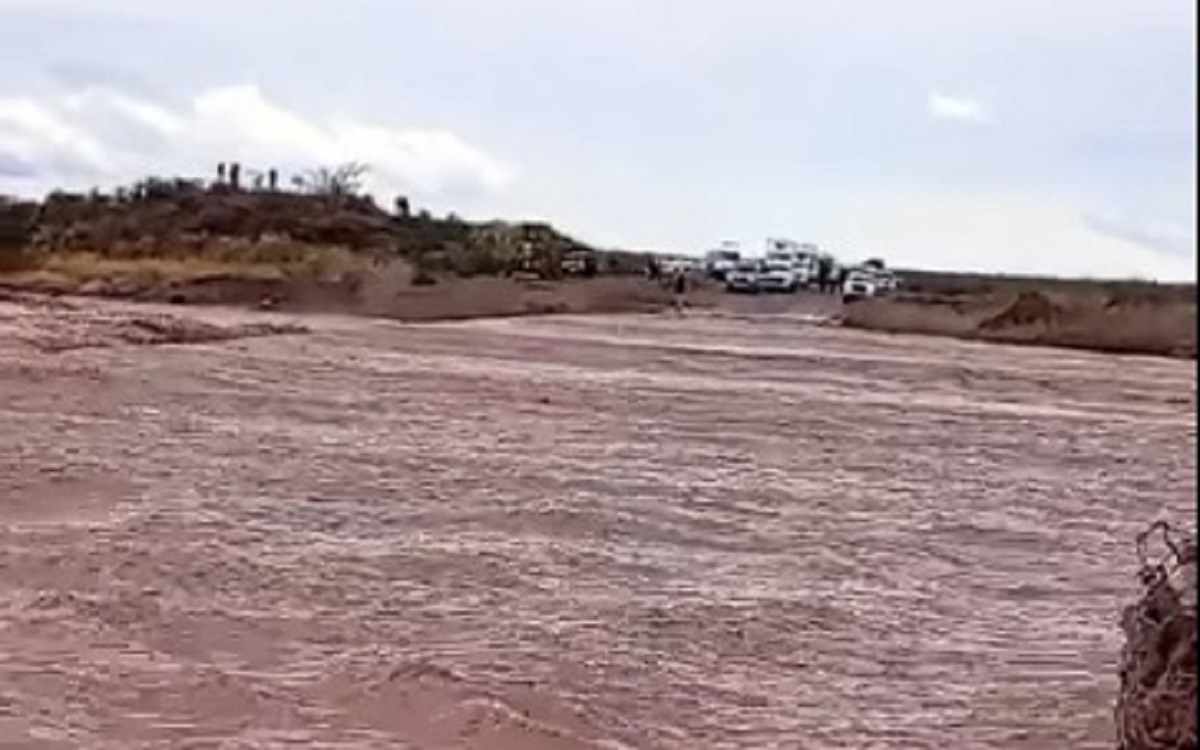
pixel 325 244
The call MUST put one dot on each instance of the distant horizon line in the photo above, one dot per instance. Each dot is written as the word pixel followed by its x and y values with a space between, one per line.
pixel 1013 276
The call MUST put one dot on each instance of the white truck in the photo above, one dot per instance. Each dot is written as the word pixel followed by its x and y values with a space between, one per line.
pixel 778 275
pixel 718 263
pixel 671 265
pixel 802 257
pixel 859 283
pixel 744 278
pixel 868 281
pixel 886 281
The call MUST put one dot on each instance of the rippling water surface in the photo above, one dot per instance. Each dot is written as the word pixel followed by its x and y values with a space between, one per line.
pixel 575 533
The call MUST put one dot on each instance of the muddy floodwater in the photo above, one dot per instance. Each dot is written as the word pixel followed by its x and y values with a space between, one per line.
pixel 558 533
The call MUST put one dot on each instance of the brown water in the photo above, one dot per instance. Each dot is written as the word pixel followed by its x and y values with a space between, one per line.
pixel 573 533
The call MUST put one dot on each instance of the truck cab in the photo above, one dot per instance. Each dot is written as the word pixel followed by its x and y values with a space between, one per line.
pixel 718 263
pixel 860 283
pixel 778 275
pixel 743 278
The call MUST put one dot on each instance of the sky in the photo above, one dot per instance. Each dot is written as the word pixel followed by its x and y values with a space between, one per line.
pixel 1020 136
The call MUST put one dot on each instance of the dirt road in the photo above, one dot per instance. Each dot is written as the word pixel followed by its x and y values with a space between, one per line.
pixel 643 532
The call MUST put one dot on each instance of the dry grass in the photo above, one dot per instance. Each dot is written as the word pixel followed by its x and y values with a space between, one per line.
pixel 125 271
pixel 84 267
pixel 303 277
pixel 264 259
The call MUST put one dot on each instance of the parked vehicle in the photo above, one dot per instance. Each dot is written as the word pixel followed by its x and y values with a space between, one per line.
pixel 676 265
pixel 718 263
pixel 744 278
pixel 804 263
pixel 778 276
pixel 886 281
pixel 807 268
pixel 860 283
pixel 580 263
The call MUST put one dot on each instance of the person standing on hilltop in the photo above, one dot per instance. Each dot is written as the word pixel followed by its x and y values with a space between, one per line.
pixel 402 209
pixel 272 179
pixel 221 173
pixel 235 175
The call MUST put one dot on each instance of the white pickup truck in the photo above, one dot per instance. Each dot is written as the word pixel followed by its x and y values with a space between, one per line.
pixel 718 263
pixel 859 283
pixel 778 276
pixel 862 282
pixel 886 281
pixel 744 278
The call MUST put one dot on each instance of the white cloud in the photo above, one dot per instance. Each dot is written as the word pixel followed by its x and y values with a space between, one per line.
pixel 100 135
pixel 1172 237
pixel 1025 232
pixel 956 109
pixel 617 141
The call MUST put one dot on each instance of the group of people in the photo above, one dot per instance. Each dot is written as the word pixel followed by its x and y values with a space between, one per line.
pixel 829 279
pixel 231 174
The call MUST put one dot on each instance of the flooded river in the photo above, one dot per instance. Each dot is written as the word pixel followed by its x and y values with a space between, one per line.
pixel 544 534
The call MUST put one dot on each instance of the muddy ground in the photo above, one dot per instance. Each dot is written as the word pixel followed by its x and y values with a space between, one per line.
pixel 382 293
pixel 1137 318
pixel 234 530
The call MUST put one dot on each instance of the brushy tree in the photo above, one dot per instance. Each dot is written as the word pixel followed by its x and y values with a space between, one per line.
pixel 344 180
pixel 18 222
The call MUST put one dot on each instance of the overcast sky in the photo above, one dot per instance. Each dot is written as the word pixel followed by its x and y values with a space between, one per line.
pixel 1052 136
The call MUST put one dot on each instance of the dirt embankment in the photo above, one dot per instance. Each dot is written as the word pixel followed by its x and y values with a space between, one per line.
pixel 1126 318
pixel 384 293
pixel 186 243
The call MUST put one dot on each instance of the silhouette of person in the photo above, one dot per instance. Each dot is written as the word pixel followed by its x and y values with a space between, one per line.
pixel 679 289
pixel 653 270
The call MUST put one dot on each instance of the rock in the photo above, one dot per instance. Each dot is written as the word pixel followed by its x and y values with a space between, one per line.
pixel 96 288
pixel 1027 309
